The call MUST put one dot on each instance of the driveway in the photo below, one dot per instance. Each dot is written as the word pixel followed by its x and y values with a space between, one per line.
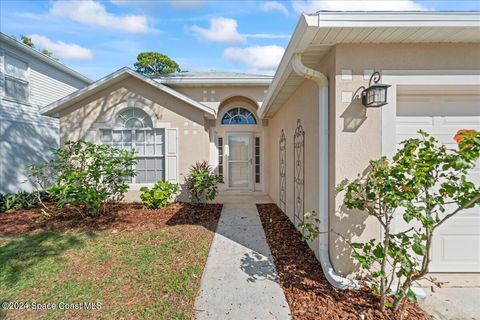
pixel 459 298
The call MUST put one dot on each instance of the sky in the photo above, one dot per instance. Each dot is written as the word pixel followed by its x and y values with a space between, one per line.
pixel 97 37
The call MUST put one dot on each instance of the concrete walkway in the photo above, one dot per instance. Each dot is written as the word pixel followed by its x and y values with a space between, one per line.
pixel 240 281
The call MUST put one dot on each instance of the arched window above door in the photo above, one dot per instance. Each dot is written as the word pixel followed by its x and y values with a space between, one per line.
pixel 134 118
pixel 238 115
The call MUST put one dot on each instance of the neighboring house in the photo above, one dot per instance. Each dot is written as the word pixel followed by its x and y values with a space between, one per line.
pixel 307 136
pixel 29 80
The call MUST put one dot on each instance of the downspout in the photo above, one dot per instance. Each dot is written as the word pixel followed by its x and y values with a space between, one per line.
pixel 335 279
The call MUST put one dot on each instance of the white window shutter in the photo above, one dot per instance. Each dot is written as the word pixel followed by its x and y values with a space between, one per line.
pixel 171 155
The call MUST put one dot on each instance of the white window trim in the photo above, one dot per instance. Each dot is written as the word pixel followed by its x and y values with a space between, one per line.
pixel 4 53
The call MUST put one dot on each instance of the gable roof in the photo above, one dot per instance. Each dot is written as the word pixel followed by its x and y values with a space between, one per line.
pixel 213 78
pixel 46 59
pixel 316 34
pixel 119 75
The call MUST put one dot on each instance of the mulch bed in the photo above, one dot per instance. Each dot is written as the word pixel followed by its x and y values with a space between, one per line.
pixel 308 293
pixel 119 217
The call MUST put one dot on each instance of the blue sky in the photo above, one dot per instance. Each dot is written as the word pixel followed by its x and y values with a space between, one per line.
pixel 98 37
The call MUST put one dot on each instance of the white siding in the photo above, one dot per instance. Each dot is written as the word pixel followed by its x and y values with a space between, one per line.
pixel 27 137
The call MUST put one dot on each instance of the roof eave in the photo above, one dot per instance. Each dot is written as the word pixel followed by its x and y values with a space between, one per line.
pixel 28 50
pixel 54 108
pixel 309 25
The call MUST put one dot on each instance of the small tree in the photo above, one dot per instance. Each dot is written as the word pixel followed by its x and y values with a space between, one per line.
pixel 201 183
pixel 429 183
pixel 155 63
pixel 87 174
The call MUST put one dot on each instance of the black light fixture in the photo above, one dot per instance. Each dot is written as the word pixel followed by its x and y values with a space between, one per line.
pixel 376 94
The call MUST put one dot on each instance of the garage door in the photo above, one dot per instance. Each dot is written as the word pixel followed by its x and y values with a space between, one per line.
pixel 456 246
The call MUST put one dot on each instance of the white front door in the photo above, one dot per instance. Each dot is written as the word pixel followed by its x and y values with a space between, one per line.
pixel 239 161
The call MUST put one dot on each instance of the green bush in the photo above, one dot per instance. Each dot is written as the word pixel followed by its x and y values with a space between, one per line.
pixel 201 183
pixel 22 200
pixel 87 174
pixel 159 195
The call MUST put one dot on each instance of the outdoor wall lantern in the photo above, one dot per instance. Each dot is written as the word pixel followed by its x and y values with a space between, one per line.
pixel 376 94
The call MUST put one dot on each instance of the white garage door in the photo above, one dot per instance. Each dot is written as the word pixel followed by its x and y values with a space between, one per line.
pixel 456 246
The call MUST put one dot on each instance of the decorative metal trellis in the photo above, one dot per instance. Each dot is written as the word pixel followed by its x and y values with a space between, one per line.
pixel 283 171
pixel 298 172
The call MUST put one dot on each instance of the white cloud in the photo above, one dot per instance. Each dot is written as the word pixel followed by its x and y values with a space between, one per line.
pixel 311 6
pixel 93 13
pixel 221 30
pixel 274 5
pixel 258 58
pixel 68 51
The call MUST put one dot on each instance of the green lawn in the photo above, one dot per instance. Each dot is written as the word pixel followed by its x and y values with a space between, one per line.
pixel 133 274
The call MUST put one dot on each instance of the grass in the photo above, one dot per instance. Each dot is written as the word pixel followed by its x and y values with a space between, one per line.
pixel 141 275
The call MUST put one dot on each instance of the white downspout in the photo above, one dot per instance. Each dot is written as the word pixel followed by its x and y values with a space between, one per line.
pixel 335 279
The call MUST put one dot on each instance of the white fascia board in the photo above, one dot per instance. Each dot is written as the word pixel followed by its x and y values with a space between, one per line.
pixel 53 108
pixel 46 59
pixel 303 35
pixel 398 19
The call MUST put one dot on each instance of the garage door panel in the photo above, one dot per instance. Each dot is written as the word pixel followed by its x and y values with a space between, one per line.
pixel 456 246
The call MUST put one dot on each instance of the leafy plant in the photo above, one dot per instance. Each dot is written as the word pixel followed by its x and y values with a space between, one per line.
pixel 309 226
pixel 159 195
pixel 429 184
pixel 22 200
pixel 87 174
pixel 201 183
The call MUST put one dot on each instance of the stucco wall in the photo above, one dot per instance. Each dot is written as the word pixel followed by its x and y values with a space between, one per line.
pixel 84 118
pixel 303 105
pixel 357 131
pixel 213 96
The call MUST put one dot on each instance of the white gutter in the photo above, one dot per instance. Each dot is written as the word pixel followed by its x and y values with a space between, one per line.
pixel 333 278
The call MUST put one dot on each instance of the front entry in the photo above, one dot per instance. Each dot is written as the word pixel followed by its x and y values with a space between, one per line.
pixel 239 161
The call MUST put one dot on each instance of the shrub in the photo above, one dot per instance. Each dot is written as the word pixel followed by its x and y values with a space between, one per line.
pixel 22 200
pixel 422 179
pixel 87 174
pixel 201 183
pixel 159 195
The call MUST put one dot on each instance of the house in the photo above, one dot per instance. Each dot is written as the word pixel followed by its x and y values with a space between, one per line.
pixel 298 135
pixel 29 80
pixel 173 121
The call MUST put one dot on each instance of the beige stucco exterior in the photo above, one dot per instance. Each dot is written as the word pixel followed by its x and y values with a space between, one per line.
pixel 214 96
pixel 197 131
pixel 83 119
pixel 355 133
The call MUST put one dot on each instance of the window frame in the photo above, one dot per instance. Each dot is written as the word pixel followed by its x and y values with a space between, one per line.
pixel 134 147
pixel 238 114
pixel 4 53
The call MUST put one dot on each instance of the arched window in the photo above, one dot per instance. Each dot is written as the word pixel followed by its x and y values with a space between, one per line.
pixel 134 118
pixel 239 115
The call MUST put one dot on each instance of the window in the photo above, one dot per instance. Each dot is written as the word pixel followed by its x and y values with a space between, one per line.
pixel 257 159
pixel 16 79
pixel 220 156
pixel 239 115
pixel 148 143
pixel 134 118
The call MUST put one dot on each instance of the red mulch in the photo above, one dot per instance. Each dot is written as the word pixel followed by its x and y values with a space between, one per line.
pixel 120 217
pixel 308 293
